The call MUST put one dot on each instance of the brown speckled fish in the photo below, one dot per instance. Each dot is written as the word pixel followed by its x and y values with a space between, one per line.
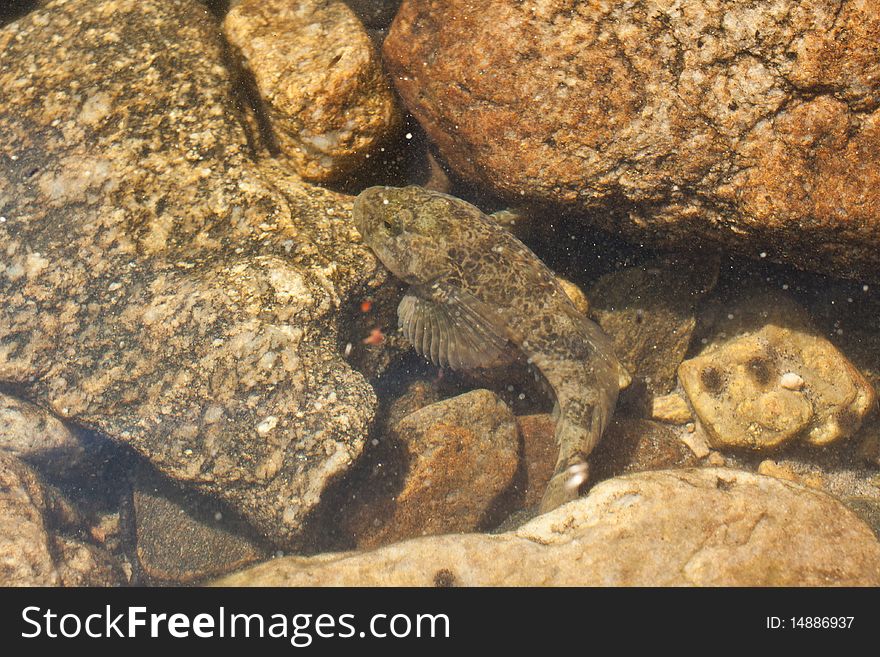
pixel 476 291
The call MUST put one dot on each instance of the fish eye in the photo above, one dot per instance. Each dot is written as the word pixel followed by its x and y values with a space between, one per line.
pixel 393 224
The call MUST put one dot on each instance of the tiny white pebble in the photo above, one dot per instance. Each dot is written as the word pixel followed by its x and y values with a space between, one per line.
pixel 374 442
pixel 791 381
pixel 409 135
pixel 2 220
pixel 522 396
pixel 704 341
pixel 348 348
pixel 13 157
pixel 264 427
pixel 188 452
pixel 785 286
pixel 839 331
pixel 114 286
pixel 729 315
pixel 218 516
pixel 864 288
pixel 763 254
pixel 384 201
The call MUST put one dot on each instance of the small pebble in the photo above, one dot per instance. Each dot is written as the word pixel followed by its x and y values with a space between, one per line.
pixel 791 381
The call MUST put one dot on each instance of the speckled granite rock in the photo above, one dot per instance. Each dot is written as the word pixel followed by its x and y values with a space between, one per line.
pixel 649 313
pixel 770 378
pixel 25 553
pixel 754 126
pixel 181 537
pixel 159 287
pixel 36 436
pixel 457 456
pixel 327 99
pixel 705 527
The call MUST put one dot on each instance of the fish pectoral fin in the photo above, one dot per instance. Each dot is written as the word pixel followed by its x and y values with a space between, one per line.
pixel 451 327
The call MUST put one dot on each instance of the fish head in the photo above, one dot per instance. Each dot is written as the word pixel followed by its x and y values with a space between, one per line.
pixel 407 228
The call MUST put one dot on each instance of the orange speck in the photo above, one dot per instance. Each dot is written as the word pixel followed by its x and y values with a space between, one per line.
pixel 376 337
pixel 366 306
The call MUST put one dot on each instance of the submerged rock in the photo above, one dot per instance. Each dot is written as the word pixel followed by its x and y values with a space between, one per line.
pixel 158 286
pixel 649 313
pixel 36 436
pixel 182 537
pixel 326 97
pixel 754 127
pixel 457 457
pixel 635 445
pixel 25 546
pixel 705 527
pixel 743 391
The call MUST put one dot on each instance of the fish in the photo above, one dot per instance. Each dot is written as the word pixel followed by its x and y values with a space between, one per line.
pixel 477 294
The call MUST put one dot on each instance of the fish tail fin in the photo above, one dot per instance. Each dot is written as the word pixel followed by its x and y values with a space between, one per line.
pixel 578 430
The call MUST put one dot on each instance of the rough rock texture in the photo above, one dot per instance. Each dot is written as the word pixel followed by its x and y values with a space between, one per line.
pixel 326 96
pixel 33 435
pixel 159 287
pixel 182 537
pixel 671 408
pixel 632 445
pixel 771 378
pixel 753 125
pixel 82 564
pixel 25 553
pixel 459 455
pixel 685 527
pixel 649 313
pixel 539 454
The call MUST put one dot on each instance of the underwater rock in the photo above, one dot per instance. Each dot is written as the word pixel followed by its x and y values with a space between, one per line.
pixel 699 527
pixel 325 94
pixel 539 453
pixel 737 385
pixel 159 286
pixel 671 408
pixel 635 445
pixel 649 313
pixel 460 454
pixel 31 434
pixel 374 13
pixel 182 537
pixel 82 564
pixel 753 127
pixel 25 552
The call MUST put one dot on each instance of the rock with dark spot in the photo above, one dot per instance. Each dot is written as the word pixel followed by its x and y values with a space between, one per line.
pixel 737 384
pixel 182 537
pixel 160 287
pixel 703 527
pixel 649 313
pixel 327 99
pixel 754 126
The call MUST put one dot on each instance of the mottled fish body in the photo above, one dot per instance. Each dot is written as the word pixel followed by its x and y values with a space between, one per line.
pixel 476 292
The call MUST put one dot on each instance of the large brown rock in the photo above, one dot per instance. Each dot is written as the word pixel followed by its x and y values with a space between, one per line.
pixel 455 459
pixel 754 126
pixel 705 527
pixel 160 287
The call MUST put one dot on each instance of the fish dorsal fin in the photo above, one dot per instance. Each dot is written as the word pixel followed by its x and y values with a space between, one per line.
pixel 450 326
